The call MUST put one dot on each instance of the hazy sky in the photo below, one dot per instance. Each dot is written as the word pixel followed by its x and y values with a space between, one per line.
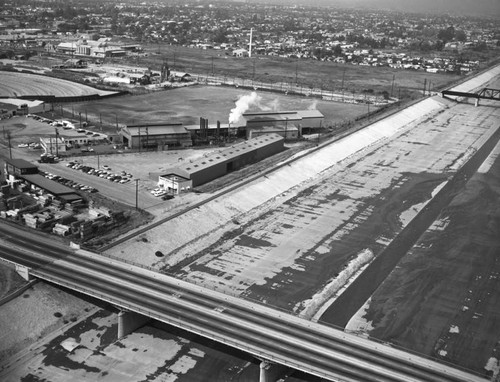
pixel 463 7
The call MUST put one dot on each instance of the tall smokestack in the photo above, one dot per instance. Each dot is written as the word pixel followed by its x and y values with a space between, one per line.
pixel 250 45
pixel 218 129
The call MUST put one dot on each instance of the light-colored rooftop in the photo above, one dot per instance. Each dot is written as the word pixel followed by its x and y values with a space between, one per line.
pixel 227 154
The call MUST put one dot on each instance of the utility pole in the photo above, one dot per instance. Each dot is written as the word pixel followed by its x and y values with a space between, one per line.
pixel 286 127
pixel 343 78
pixel 137 194
pixel 57 144
pixel 425 85
pixel 10 146
pixel 319 133
pixel 139 134
pixel 392 86
pixel 253 71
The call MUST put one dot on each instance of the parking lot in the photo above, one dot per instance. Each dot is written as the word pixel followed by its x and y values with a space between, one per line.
pixel 129 178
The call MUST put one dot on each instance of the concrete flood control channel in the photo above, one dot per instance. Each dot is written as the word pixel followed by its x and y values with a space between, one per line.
pixel 353 298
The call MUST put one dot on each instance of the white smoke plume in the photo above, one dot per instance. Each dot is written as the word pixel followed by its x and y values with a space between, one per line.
pixel 242 105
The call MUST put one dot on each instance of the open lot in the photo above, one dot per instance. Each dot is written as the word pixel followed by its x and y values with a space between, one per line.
pixel 320 74
pixel 188 104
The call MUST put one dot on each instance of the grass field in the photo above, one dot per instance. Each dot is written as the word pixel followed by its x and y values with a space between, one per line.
pixel 319 74
pixel 188 104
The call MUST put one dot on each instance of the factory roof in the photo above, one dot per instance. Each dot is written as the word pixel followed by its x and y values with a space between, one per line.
pixel 21 163
pixel 212 126
pixel 156 129
pixel 267 113
pixel 224 155
pixel 273 116
pixel 312 113
pixel 50 185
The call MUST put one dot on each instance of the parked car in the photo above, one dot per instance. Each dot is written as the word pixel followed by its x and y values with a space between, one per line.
pixel 160 193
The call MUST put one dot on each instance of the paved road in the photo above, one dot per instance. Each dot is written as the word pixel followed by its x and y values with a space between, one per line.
pixel 256 329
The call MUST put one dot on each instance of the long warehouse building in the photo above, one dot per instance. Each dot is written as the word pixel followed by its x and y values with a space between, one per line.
pixel 221 162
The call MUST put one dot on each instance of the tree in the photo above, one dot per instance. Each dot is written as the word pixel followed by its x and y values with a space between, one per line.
pixel 447 34
pixel 460 36
pixel 337 50
pixel 221 36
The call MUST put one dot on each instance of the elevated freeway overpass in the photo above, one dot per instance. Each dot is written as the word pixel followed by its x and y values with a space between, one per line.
pixel 269 335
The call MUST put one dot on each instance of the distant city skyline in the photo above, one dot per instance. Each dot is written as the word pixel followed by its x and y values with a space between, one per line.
pixel 456 7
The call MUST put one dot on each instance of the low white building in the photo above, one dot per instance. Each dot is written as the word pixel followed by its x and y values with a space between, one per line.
pixel 175 183
pixel 240 53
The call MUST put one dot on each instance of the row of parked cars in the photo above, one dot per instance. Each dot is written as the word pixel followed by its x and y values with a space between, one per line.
pixel 69 183
pixel 105 173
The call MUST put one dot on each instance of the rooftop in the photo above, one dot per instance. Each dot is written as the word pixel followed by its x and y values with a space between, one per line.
pixel 49 185
pixel 156 129
pixel 226 154
pixel 21 163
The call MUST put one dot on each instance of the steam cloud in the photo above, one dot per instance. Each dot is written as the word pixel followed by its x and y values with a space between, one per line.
pixel 242 105
pixel 246 101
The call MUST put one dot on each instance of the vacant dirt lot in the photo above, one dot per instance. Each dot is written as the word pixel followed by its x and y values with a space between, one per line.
pixel 212 102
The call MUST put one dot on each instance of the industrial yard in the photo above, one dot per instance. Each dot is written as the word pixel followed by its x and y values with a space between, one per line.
pixel 297 237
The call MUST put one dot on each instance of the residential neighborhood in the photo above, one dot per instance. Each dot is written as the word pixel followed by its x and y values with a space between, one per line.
pixel 100 30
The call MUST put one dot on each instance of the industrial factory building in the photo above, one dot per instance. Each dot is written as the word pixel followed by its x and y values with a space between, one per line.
pixel 288 124
pixel 155 136
pixel 219 163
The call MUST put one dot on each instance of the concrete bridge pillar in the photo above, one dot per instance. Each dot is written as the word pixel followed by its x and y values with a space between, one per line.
pixel 23 272
pixel 130 321
pixel 270 372
pixel 477 102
